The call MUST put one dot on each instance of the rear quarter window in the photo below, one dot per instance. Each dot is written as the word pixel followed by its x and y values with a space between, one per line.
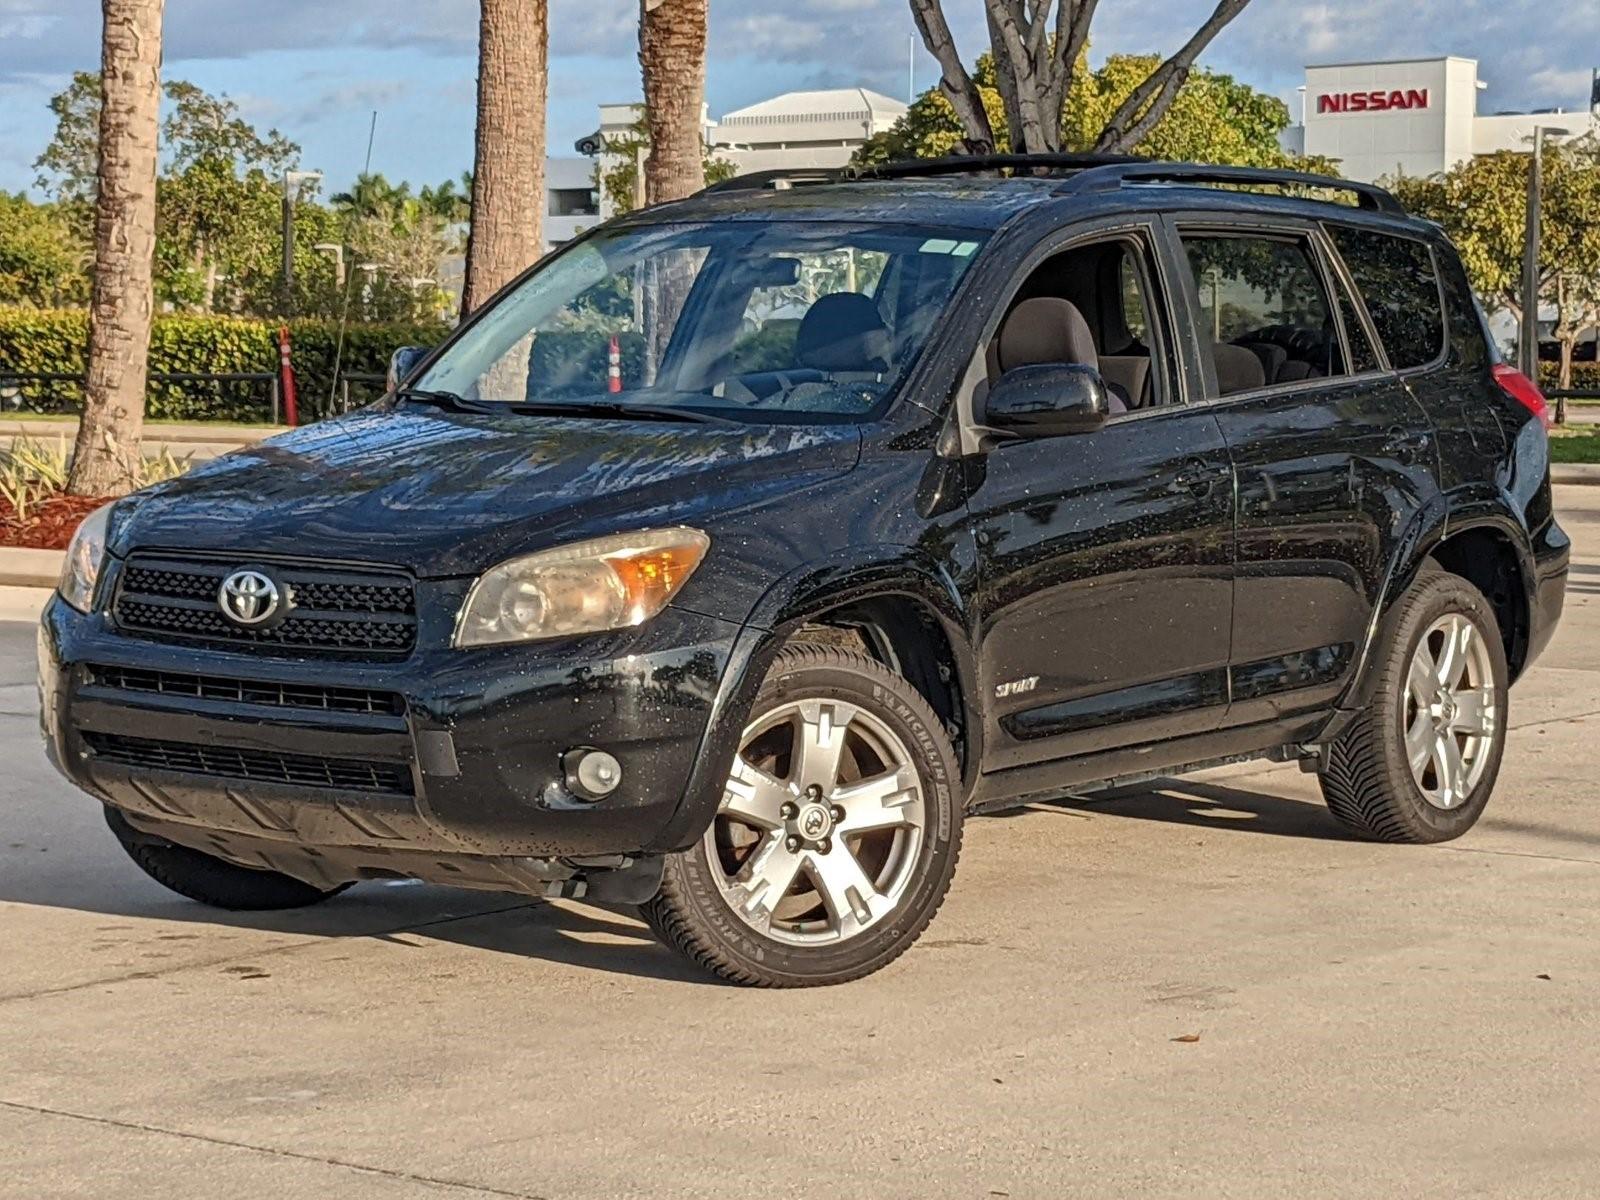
pixel 1399 283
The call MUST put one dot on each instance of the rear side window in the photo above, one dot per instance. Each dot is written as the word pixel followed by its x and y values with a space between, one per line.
pixel 1398 281
pixel 1264 310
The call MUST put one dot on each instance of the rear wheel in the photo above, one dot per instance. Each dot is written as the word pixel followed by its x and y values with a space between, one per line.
pixel 837 834
pixel 1419 763
pixel 210 880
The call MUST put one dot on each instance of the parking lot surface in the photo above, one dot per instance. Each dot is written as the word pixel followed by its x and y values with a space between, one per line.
pixel 1193 989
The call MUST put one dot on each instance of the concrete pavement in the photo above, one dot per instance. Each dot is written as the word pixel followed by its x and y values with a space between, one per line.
pixel 1372 1021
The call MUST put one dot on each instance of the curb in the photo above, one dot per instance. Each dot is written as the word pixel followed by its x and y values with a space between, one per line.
pixel 1580 474
pixel 23 603
pixel 22 568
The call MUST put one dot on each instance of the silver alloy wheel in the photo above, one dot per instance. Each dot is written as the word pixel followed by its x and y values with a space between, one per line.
pixel 821 823
pixel 1450 718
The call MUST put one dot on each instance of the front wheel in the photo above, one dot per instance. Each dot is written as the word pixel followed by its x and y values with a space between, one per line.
pixel 1418 764
pixel 837 834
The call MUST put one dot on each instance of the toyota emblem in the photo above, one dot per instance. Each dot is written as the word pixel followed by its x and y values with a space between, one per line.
pixel 248 597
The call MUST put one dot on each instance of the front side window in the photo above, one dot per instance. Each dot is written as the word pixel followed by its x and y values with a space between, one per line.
pixel 1397 279
pixel 1263 310
pixel 751 320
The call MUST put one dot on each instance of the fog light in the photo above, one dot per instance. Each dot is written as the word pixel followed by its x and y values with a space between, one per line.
pixel 591 774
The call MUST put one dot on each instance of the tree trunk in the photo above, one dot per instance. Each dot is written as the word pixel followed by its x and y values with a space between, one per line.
pixel 508 200
pixel 106 458
pixel 954 82
pixel 1143 109
pixel 672 55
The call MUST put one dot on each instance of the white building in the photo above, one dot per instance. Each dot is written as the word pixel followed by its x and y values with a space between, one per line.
pixel 1412 117
pixel 794 130
pixel 804 129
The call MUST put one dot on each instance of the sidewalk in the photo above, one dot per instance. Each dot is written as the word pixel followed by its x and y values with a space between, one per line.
pixel 200 440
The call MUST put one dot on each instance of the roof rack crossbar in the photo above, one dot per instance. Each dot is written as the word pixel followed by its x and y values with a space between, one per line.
pixel 952 164
pixel 968 164
pixel 759 181
pixel 1109 178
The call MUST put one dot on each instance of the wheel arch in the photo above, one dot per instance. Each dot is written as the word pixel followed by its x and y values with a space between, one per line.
pixel 1481 539
pixel 899 607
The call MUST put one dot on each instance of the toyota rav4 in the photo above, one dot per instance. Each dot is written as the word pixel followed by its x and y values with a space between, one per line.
pixel 740 549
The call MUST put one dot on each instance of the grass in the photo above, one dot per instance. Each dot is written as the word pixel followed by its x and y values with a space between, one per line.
pixel 1575 447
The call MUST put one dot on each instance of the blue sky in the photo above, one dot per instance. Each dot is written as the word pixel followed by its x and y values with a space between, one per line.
pixel 317 68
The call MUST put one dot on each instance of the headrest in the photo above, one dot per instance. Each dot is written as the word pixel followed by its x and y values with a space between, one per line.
pixel 843 331
pixel 1238 370
pixel 1046 329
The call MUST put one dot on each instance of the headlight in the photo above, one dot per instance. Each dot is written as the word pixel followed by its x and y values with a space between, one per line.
pixel 587 587
pixel 85 553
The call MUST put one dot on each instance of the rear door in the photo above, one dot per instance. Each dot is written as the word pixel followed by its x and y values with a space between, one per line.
pixel 1330 451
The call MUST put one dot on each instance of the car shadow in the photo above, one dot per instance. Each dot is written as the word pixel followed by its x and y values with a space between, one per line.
pixel 1205 805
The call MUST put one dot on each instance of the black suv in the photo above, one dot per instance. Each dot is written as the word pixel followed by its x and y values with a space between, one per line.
pixel 740 549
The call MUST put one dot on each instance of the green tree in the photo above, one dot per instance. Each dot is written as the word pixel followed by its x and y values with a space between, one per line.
pixel 1482 204
pixel 1037 51
pixel 619 182
pixel 1213 118
pixel 43 255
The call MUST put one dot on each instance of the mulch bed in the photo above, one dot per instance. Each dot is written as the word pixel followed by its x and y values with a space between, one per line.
pixel 50 524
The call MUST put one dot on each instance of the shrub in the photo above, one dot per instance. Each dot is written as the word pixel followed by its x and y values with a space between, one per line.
pixel 55 342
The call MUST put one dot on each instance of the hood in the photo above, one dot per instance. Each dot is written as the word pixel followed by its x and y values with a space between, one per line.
pixel 445 494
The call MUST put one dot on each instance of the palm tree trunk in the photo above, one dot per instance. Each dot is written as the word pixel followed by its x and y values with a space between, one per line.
pixel 106 458
pixel 508 200
pixel 672 53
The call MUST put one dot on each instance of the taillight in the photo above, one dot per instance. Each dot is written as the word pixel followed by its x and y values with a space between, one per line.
pixel 1523 390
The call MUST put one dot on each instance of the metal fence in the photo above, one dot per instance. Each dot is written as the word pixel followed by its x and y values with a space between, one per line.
pixel 1560 400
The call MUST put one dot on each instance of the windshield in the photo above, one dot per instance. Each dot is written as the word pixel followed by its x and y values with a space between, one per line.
pixel 764 321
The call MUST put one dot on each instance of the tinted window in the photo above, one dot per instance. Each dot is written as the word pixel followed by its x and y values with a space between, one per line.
pixel 1362 356
pixel 1397 280
pixel 1264 310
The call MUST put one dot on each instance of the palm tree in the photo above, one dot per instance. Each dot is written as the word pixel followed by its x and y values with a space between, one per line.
pixel 508 176
pixel 106 459
pixel 672 53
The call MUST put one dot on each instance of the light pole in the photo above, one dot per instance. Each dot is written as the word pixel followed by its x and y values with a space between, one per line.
pixel 291 190
pixel 1528 341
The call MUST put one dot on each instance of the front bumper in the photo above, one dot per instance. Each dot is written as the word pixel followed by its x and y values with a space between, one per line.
pixel 458 780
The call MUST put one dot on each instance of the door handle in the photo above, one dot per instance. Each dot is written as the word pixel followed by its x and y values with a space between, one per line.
pixel 1406 446
pixel 1198 477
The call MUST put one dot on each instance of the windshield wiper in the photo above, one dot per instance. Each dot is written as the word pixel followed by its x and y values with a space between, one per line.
pixel 610 409
pixel 447 400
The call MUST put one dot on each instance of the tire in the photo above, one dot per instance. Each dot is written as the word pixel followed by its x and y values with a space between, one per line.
pixel 1369 782
pixel 211 881
pixel 823 713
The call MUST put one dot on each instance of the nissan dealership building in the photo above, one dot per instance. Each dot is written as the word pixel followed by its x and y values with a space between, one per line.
pixel 1412 117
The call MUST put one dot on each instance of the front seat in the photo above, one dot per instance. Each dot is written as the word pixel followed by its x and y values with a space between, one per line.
pixel 1047 329
pixel 843 336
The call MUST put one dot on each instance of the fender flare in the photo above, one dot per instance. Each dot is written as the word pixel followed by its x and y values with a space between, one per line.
pixel 1447 515
pixel 813 588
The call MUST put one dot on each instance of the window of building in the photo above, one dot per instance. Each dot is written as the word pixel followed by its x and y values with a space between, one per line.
pixel 1397 279
pixel 1264 310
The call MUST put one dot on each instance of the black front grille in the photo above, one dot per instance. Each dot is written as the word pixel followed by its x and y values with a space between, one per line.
pixel 261 766
pixel 330 610
pixel 307 696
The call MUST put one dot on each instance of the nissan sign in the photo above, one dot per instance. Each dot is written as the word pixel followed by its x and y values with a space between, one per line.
pixel 1374 101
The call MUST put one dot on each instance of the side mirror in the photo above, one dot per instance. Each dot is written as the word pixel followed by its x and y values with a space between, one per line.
pixel 404 361
pixel 1048 400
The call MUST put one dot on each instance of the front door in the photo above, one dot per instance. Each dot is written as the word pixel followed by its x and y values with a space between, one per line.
pixel 1105 605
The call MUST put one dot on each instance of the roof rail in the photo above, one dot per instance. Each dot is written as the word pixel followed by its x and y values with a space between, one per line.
pixel 1109 178
pixel 967 164
pixel 778 180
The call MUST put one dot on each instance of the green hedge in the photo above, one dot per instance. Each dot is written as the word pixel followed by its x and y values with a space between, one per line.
pixel 1585 376
pixel 55 342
